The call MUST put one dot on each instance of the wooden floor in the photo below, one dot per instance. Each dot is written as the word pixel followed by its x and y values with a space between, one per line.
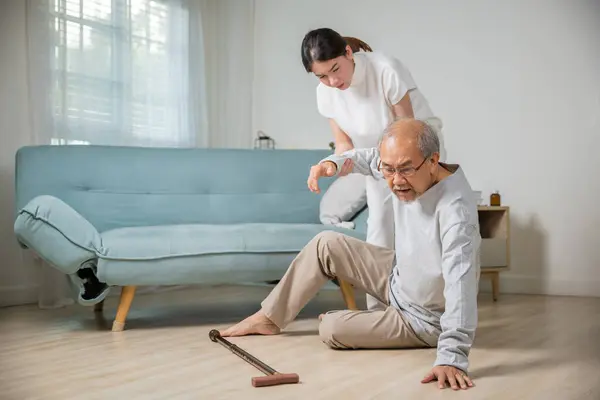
pixel 527 347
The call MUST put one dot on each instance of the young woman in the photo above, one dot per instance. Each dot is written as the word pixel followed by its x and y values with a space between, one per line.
pixel 361 93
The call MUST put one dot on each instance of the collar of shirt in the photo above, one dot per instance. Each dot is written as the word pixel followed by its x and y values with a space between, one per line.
pixel 359 70
pixel 432 195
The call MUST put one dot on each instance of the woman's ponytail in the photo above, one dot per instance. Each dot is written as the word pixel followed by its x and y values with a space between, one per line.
pixel 357 45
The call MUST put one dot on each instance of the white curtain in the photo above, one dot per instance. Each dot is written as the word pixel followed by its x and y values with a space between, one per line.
pixel 229 52
pixel 114 72
pixel 174 73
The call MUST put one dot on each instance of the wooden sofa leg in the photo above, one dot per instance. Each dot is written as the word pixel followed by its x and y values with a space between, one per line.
pixel 348 294
pixel 127 293
pixel 99 307
pixel 495 285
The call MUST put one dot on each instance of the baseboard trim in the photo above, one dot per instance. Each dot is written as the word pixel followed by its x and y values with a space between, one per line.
pixel 18 295
pixel 519 284
pixel 509 284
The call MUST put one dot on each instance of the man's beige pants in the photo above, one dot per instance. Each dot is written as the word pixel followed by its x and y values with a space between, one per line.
pixel 366 266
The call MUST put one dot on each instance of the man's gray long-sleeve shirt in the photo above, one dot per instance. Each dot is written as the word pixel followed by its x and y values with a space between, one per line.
pixel 434 281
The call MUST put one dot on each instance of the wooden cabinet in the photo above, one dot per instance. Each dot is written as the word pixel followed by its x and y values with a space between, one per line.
pixel 494 225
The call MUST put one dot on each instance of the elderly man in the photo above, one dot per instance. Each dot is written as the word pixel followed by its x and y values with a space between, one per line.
pixel 429 283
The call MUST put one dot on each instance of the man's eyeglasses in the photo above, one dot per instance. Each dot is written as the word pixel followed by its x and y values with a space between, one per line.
pixel 389 171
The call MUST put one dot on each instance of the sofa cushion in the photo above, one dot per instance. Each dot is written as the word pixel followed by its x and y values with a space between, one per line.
pixel 345 198
pixel 169 241
pixel 180 254
pixel 204 269
pixel 58 233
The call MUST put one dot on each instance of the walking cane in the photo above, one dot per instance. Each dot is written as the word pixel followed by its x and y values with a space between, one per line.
pixel 272 377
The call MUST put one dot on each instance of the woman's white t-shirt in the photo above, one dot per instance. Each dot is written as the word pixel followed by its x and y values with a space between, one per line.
pixel 364 110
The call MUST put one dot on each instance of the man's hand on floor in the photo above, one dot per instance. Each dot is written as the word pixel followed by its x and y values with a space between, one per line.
pixel 442 373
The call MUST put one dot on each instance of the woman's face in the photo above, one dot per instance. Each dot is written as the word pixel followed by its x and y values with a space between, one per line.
pixel 337 72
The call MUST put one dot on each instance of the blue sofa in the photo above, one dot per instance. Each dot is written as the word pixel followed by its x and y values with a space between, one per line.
pixel 129 216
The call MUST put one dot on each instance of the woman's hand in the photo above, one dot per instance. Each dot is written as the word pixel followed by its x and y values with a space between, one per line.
pixel 343 143
pixel 326 168
pixel 346 167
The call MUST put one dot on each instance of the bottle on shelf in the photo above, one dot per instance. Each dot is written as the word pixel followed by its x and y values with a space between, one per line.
pixel 495 198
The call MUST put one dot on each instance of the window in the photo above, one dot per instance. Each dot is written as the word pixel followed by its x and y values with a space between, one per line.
pixel 118 73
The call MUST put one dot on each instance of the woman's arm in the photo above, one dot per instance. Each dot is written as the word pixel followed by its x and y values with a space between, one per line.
pixel 342 140
pixel 397 84
pixel 403 109
pixel 343 143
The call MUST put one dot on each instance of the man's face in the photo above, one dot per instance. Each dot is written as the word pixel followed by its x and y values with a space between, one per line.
pixel 406 171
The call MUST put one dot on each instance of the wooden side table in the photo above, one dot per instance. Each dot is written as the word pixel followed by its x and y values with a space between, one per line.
pixel 494 225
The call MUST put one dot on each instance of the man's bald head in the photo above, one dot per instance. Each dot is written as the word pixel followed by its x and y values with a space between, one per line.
pixel 410 131
pixel 409 154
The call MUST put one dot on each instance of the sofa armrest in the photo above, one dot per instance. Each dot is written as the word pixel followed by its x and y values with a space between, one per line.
pixel 57 234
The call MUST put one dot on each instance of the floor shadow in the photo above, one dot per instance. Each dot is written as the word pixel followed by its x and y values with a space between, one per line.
pixel 498 328
pixel 152 319
pixel 191 314
pixel 513 368
pixel 99 322
pixel 302 333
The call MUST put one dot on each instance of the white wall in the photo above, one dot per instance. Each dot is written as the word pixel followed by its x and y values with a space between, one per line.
pixel 228 41
pixel 17 280
pixel 522 75
pixel 517 84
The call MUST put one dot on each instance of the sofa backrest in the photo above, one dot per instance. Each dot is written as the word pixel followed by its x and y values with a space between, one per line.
pixel 116 187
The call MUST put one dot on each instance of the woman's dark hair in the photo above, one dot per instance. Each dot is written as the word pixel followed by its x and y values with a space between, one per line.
pixel 357 45
pixel 325 44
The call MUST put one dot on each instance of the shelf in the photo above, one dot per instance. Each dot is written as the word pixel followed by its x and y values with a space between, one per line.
pixel 493 208
pixel 494 253
pixel 493 222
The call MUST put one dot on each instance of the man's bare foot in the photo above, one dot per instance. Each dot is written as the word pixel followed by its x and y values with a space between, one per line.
pixel 257 324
